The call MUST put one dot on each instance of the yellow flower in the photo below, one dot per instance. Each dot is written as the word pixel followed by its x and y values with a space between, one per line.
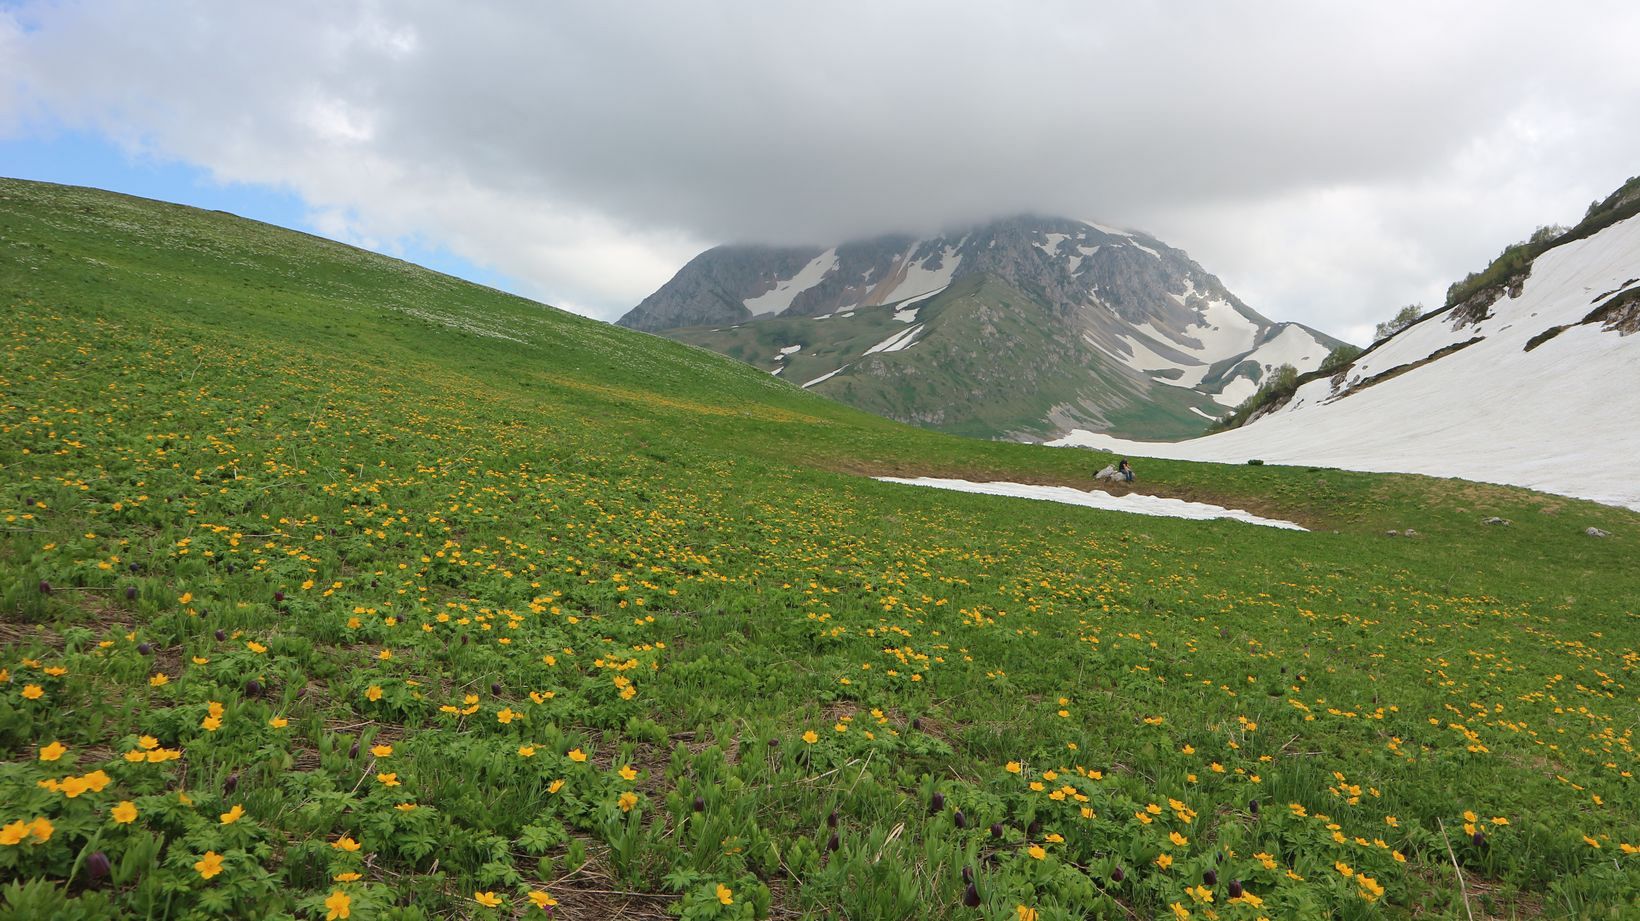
pixel 186 597
pixel 1592 843
pixel 41 829
pixel 124 812
pixel 811 737
pixel 555 786
pixel 338 905
pixel 373 693
pixel 348 877
pixel 406 807
pixel 575 754
pixel 13 833
pixel 1036 851
pixel 390 779
pixel 345 843
pixel 725 895
pixel 33 691
pixel 1011 767
pixel 487 899
pixel 209 865
pixel 255 647
pixel 381 751
pixel 1025 913
pixel 211 723
pixel 278 722
pixel 629 773
pixel 1164 861
pixel 627 800
pixel 506 715
pixel 527 751
pixel 1177 839
pixel 1180 913
pixel 53 751
pixel 233 815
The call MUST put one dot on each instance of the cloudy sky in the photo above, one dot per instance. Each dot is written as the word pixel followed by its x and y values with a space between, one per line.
pixel 1329 161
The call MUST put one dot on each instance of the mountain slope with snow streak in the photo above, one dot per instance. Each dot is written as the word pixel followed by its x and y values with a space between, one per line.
pixel 1540 388
pixel 1126 334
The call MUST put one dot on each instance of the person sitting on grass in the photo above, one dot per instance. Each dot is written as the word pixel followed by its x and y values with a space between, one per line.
pixel 1126 470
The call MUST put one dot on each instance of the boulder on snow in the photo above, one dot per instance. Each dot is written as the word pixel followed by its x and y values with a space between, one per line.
pixel 1596 532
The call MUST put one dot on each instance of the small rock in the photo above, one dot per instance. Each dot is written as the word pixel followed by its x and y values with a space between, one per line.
pixel 1392 533
pixel 1411 533
pixel 1596 532
pixel 1499 521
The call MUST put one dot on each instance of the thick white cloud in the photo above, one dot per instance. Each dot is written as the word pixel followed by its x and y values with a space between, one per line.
pixel 1329 162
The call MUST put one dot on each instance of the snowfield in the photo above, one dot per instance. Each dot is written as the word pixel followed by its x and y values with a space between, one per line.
pixel 1563 418
pixel 1093 498
pixel 782 295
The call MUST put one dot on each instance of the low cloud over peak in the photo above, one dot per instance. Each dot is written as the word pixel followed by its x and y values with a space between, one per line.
pixel 1328 163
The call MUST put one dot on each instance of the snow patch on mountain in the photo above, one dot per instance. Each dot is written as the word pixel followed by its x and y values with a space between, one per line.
pixel 896 342
pixel 780 297
pixel 920 279
pixel 825 377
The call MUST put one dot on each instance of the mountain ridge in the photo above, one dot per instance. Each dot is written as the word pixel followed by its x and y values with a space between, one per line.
pixel 1142 339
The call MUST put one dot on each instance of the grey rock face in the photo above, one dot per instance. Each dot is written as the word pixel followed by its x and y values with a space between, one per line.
pixel 709 290
pixel 1066 264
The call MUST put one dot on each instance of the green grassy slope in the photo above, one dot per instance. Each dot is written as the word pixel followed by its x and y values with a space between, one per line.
pixel 307 549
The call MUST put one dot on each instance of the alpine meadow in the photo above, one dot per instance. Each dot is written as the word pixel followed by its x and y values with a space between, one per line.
pixel 332 587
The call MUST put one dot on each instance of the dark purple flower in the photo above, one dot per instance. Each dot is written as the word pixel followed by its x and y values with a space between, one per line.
pixel 96 866
pixel 970 896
